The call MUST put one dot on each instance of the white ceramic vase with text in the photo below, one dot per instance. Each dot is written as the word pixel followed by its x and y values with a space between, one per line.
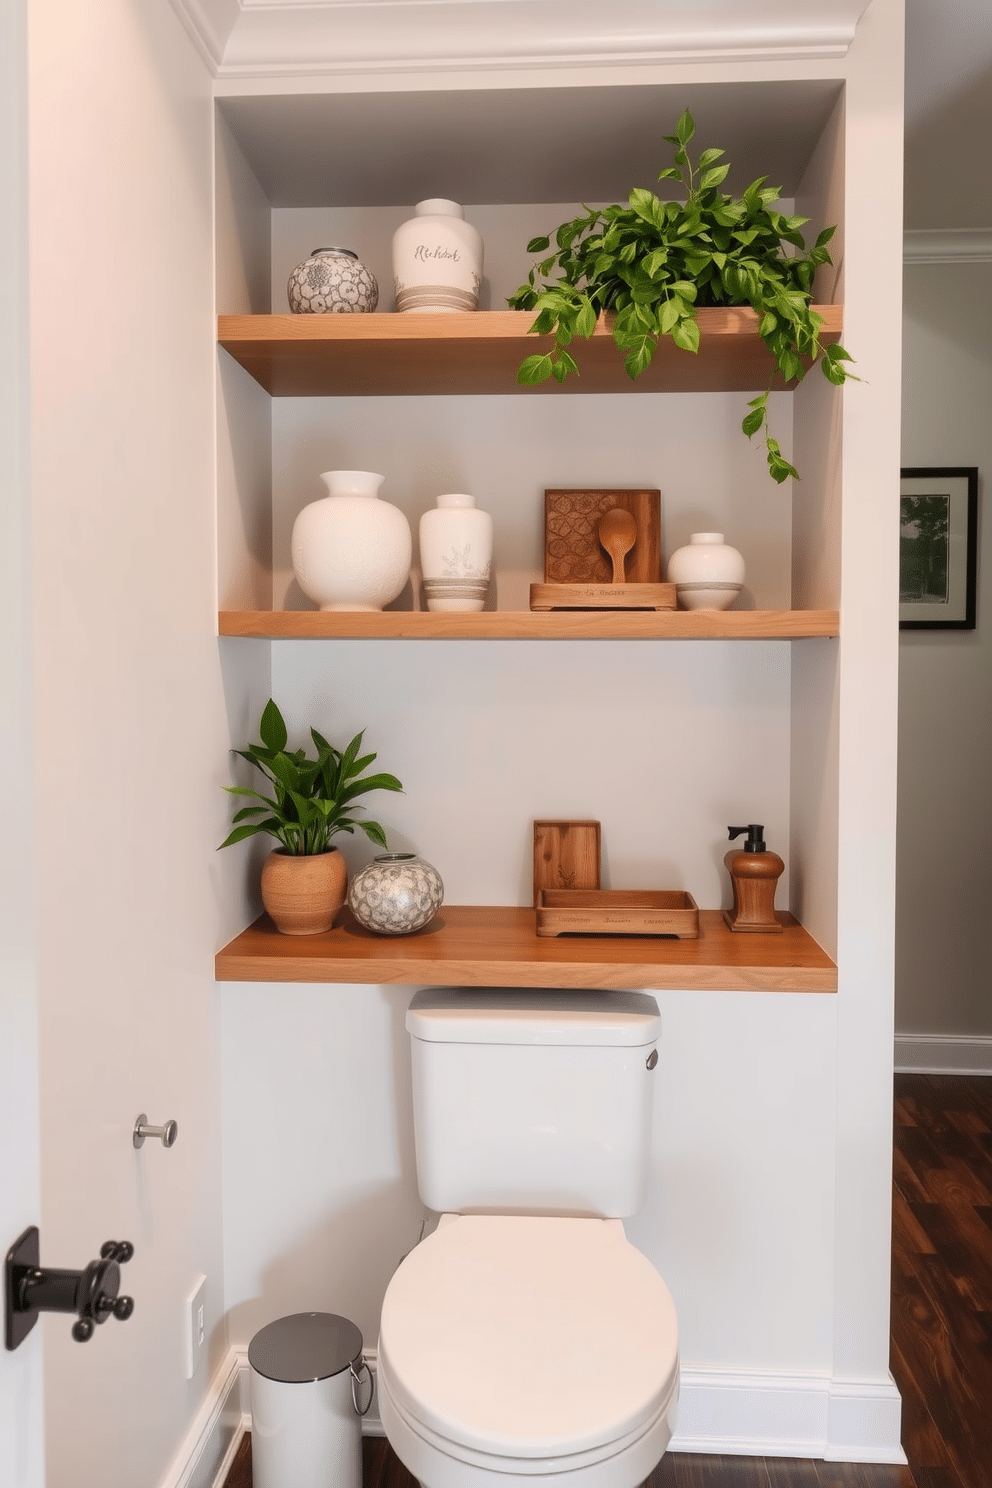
pixel 708 574
pixel 456 553
pixel 437 260
pixel 351 551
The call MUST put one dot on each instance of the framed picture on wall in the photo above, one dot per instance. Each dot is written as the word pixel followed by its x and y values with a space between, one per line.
pixel 938 547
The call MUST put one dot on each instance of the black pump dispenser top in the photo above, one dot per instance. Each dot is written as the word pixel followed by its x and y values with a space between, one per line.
pixel 755 840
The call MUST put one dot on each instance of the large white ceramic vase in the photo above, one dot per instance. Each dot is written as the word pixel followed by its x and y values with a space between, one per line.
pixel 351 551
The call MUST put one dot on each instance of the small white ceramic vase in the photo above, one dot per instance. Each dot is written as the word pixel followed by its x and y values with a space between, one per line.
pixel 351 551
pixel 437 260
pixel 456 553
pixel 396 894
pixel 708 574
pixel 332 281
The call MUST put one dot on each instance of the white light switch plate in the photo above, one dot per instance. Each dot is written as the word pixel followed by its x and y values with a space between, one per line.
pixel 196 1326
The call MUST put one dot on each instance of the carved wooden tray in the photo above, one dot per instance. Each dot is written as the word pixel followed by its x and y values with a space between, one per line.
pixel 603 597
pixel 573 553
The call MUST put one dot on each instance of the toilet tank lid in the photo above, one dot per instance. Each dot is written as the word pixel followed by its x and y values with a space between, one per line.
pixel 497 1015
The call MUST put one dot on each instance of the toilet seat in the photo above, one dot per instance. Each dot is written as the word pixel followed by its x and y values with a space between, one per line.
pixel 528 1344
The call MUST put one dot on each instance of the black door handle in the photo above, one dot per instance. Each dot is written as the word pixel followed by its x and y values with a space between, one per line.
pixel 92 1294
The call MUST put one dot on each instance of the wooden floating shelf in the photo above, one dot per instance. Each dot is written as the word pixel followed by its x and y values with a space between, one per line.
pixel 310 356
pixel 483 947
pixel 527 625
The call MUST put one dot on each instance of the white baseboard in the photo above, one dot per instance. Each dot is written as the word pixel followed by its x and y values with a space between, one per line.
pixel 205 1457
pixel 204 1460
pixel 720 1412
pixel 773 1415
pixel 942 1054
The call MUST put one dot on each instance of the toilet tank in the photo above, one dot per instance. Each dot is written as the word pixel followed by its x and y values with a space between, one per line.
pixel 532 1102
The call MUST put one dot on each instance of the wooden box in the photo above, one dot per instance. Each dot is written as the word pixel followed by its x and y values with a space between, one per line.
pixel 617 912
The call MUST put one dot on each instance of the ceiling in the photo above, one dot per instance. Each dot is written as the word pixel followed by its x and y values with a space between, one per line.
pixel 246 38
pixel 504 145
pixel 948 176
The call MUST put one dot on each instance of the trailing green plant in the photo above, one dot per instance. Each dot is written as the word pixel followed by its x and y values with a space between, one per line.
pixel 312 799
pixel 653 263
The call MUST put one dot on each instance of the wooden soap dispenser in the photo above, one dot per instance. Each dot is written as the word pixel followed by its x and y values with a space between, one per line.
pixel 754 873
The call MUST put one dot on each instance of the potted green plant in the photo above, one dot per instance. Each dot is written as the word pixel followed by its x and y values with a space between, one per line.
pixel 305 879
pixel 653 263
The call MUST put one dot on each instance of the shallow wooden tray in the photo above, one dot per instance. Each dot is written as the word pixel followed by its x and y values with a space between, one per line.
pixel 617 912
pixel 603 597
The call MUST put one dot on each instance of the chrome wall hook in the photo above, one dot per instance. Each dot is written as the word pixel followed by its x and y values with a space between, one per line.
pixel 168 1133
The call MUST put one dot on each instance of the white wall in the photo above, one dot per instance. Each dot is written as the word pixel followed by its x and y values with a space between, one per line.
pixel 21 1447
pixel 944 962
pixel 774 1116
pixel 129 712
pixel 866 718
pixel 769 1212
pixel 320 1187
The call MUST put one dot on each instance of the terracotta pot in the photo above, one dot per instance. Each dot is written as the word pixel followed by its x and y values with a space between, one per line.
pixel 304 894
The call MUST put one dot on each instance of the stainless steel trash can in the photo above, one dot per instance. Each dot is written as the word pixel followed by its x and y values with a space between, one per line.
pixel 309 1391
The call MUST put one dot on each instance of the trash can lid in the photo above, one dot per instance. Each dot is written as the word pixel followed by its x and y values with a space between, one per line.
pixel 304 1347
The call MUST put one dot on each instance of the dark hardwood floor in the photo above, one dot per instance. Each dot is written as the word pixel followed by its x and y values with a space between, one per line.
pixel 941 1317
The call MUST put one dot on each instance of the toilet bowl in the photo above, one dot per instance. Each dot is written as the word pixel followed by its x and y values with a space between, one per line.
pixel 518 1346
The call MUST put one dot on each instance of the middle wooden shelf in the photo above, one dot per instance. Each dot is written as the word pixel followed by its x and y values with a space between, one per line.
pixel 535 625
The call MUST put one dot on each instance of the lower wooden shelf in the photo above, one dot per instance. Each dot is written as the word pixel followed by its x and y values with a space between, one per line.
pixel 471 946
pixel 530 625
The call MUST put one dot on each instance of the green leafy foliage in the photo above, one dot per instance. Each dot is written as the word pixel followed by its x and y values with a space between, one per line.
pixel 312 799
pixel 654 263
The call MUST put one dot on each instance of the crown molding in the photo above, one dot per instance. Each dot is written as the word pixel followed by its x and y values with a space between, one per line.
pixel 286 38
pixel 947 245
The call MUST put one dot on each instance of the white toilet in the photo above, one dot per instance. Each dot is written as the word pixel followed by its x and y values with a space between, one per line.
pixel 526 1337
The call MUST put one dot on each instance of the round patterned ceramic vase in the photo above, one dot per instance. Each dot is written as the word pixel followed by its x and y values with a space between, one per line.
pixel 708 574
pixel 332 281
pixel 351 551
pixel 437 260
pixel 456 553
pixel 396 894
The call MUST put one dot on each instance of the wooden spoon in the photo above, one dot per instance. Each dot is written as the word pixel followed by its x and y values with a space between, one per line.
pixel 617 533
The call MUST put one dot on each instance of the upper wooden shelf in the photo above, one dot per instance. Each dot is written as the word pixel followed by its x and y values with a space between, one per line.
pixel 301 356
pixel 482 947
pixel 530 625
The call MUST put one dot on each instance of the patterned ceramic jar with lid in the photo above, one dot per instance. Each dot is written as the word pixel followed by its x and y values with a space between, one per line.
pixel 396 894
pixel 437 260
pixel 332 281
